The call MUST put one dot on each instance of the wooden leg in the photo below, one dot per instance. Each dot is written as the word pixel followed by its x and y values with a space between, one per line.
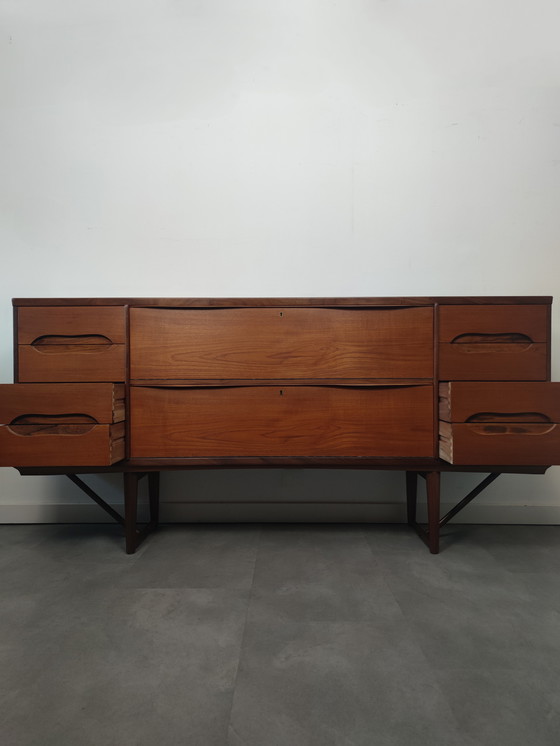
pixel 130 510
pixel 433 479
pixel 153 490
pixel 411 496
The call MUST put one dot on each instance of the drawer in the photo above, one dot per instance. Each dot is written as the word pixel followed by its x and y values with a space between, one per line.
pixel 494 342
pixel 71 344
pixel 61 424
pixel 499 423
pixel 268 343
pixel 285 421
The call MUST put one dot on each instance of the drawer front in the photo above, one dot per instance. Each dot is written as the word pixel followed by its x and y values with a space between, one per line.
pixel 467 401
pixel 282 421
pixel 71 324
pixel 63 445
pixel 61 363
pixel 505 444
pixel 265 343
pixel 494 342
pixel 61 424
pixel 500 423
pixel 71 344
pixel 103 403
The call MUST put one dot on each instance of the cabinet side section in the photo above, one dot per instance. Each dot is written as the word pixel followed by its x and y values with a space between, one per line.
pixel 15 345
pixel 549 343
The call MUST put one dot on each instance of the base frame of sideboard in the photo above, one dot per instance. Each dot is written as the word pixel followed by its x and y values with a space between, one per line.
pixel 133 471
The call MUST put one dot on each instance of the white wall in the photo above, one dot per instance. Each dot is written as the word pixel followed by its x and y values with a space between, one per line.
pixel 303 147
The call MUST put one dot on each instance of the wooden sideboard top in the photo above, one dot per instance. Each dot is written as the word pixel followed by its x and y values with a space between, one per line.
pixel 268 302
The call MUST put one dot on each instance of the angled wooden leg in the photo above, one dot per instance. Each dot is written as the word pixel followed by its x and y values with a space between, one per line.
pixel 130 510
pixel 153 490
pixel 433 479
pixel 411 496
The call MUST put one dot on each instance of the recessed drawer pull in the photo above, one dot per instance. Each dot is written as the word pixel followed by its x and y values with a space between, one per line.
pixel 64 349
pixel 54 419
pixel 52 424
pixel 505 338
pixel 483 344
pixel 512 429
pixel 508 417
pixel 71 339
pixel 49 428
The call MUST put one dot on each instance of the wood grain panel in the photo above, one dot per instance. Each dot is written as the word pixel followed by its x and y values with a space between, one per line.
pixel 71 363
pixel 269 302
pixel 73 322
pixel 530 401
pixel 287 421
pixel 281 343
pixel 104 402
pixel 102 445
pixel 528 320
pixel 486 363
pixel 524 444
pixel 488 342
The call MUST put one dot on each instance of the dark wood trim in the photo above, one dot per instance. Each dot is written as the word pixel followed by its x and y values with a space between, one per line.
pixel 549 344
pixel 435 418
pixel 86 489
pixel 243 382
pixel 411 496
pixel 16 348
pixel 294 302
pixel 127 382
pixel 149 465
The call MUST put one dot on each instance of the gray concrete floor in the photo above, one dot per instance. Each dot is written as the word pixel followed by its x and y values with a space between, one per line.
pixel 279 636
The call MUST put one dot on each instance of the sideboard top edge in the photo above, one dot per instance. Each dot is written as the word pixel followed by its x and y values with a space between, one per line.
pixel 311 301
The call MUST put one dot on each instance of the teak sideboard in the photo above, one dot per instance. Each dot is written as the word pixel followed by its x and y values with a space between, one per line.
pixel 141 385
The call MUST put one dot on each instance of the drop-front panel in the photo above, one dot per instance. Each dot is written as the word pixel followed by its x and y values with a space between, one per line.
pixel 276 343
pixel 282 420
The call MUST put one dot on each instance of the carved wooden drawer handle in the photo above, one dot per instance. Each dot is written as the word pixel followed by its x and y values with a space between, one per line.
pixel 29 425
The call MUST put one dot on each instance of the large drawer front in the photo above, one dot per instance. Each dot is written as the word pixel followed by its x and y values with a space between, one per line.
pixel 61 424
pixel 500 423
pixel 265 343
pixel 282 421
pixel 71 344
pixel 494 342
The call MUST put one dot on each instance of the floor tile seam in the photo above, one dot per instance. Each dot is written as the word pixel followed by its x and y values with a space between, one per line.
pixel 243 636
pixel 427 664
pixel 490 671
pixel 433 673
pixel 385 572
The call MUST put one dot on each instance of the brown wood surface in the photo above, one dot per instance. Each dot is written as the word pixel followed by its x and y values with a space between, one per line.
pixel 147 465
pixel 493 362
pixel 104 402
pixel 489 342
pixel 286 343
pixel 530 321
pixel 101 445
pixel 288 421
pixel 229 382
pixel 109 322
pixel 76 363
pixel 526 444
pixel 270 302
pixel 508 402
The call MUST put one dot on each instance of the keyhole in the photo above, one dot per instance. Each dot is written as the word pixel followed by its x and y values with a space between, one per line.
pixel 281 392
pixel 281 313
